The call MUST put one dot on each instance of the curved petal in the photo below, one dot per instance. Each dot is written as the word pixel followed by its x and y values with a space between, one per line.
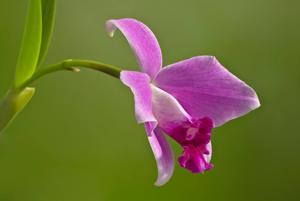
pixel 167 111
pixel 205 88
pixel 140 87
pixel 162 153
pixel 142 41
pixel 139 84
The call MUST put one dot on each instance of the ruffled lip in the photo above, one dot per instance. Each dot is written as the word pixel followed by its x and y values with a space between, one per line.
pixel 195 138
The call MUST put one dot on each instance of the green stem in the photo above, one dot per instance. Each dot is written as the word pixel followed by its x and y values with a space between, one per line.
pixel 18 97
pixel 71 64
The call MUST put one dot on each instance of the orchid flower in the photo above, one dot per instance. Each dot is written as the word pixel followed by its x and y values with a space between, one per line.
pixel 184 100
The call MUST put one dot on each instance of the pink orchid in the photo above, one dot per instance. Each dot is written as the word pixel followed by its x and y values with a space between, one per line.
pixel 185 100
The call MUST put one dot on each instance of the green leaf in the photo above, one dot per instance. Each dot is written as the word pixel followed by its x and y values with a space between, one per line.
pixel 48 21
pixel 30 48
pixel 12 104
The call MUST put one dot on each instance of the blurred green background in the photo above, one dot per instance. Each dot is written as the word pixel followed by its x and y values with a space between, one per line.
pixel 78 140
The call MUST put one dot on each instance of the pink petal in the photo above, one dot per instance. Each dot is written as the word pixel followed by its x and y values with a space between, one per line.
pixel 167 110
pixel 205 88
pixel 142 41
pixel 139 83
pixel 162 153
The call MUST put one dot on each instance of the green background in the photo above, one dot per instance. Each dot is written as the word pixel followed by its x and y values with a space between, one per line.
pixel 77 140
